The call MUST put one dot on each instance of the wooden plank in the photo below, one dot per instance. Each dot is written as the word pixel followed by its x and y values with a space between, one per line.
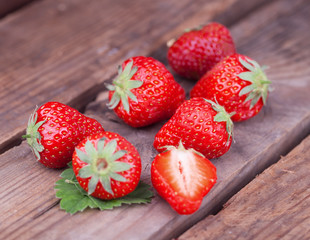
pixel 7 7
pixel 63 50
pixel 31 212
pixel 275 205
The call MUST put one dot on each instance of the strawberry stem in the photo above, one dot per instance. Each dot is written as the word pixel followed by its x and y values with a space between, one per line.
pixel 26 136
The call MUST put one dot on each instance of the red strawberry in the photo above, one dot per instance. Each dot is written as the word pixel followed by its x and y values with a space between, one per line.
pixel 144 92
pixel 182 177
pixel 106 165
pixel 54 130
pixel 200 124
pixel 198 50
pixel 238 83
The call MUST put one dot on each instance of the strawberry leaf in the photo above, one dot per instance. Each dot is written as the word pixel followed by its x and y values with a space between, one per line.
pixel 74 199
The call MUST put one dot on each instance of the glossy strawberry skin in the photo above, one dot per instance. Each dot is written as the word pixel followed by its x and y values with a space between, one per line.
pixel 63 129
pixel 223 85
pixel 158 97
pixel 197 51
pixel 132 175
pixel 182 181
pixel 194 124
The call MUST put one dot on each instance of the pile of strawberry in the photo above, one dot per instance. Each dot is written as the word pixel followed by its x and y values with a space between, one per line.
pixel 230 87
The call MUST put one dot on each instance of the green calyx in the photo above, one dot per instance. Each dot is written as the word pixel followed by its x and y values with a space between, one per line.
pixel 197 28
pixel 223 116
pixel 259 86
pixel 122 85
pixel 32 134
pixel 102 164
pixel 181 148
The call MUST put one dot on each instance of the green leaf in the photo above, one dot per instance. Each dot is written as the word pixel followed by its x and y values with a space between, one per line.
pixel 86 171
pixel 220 117
pixel 246 64
pixel 265 94
pixel 119 154
pixel 90 149
pixel 120 166
pixel 92 184
pixel 133 72
pixel 142 191
pixel 131 96
pixel 117 177
pixel 128 68
pixel 119 70
pixel 134 84
pixel 74 199
pixel 110 148
pixel 100 146
pixel 114 101
pixel 106 183
pixel 110 87
pixel 125 103
pixel 254 101
pixel 82 156
pixel 246 89
pixel 248 76
pixel 68 174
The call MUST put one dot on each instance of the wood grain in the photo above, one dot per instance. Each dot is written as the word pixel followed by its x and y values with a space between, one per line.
pixel 68 63
pixel 64 50
pixel 268 35
pixel 276 205
pixel 7 7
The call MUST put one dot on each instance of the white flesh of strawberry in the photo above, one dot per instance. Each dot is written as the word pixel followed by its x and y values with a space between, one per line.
pixel 187 173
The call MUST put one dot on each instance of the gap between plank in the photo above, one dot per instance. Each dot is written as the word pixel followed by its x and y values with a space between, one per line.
pixel 79 103
pixel 46 209
pixel 12 6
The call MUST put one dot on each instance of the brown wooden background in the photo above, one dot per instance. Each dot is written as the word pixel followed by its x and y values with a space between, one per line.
pixel 64 50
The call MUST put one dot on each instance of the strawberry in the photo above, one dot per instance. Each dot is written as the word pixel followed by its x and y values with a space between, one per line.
pixel 200 124
pixel 106 165
pixel 54 130
pixel 182 177
pixel 238 83
pixel 144 92
pixel 198 50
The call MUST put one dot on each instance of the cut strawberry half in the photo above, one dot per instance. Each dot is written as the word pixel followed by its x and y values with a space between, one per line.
pixel 182 177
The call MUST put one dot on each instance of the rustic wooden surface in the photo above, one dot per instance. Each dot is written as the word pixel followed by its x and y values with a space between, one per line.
pixel 7 7
pixel 64 49
pixel 58 56
pixel 275 205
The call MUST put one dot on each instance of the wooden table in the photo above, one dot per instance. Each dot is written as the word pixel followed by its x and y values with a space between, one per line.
pixel 64 50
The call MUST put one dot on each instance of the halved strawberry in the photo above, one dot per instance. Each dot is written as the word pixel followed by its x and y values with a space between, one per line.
pixel 182 177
